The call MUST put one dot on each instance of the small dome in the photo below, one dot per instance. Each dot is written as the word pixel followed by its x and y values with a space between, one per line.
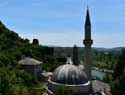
pixel 69 74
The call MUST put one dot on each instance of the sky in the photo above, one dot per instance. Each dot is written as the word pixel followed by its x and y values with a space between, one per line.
pixel 61 22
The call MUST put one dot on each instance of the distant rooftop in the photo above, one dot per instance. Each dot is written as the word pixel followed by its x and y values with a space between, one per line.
pixel 29 61
pixel 99 86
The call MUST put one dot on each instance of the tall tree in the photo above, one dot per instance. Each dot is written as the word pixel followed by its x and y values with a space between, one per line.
pixel 35 42
pixel 118 83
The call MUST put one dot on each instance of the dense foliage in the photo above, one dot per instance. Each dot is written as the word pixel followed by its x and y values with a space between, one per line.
pixel 63 91
pixel 12 49
pixel 14 82
pixel 19 48
pixel 118 83
pixel 104 59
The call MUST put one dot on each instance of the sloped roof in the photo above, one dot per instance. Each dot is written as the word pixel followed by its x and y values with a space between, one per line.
pixel 29 61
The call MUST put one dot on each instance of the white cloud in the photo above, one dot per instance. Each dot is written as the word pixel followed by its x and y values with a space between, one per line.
pixel 57 39
pixel 108 40
pixel 71 38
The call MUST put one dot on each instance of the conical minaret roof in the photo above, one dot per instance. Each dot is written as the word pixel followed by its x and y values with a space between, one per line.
pixel 87 22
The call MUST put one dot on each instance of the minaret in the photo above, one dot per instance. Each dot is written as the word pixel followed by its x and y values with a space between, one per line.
pixel 88 42
pixel 75 55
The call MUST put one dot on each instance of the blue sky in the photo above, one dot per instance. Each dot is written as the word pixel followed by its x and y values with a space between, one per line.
pixel 61 22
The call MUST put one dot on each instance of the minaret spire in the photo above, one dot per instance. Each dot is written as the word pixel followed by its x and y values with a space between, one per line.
pixel 87 22
pixel 88 42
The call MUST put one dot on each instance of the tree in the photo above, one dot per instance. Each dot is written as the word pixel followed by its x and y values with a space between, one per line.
pixel 14 82
pixel 119 69
pixel 118 83
pixel 27 40
pixel 35 42
pixel 9 84
pixel 37 91
pixel 63 91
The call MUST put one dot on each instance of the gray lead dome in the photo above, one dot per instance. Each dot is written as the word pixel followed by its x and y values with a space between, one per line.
pixel 69 74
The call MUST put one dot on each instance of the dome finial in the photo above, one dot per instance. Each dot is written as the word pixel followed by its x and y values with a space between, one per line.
pixel 69 61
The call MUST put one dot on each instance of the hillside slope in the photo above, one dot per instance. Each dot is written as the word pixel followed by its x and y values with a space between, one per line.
pixel 13 46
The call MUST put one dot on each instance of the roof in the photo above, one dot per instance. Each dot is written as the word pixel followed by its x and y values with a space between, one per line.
pixel 87 22
pixel 69 74
pixel 99 86
pixel 29 61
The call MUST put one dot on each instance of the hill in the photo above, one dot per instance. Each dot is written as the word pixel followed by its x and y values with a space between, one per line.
pixel 11 43
pixel 65 51
pixel 13 48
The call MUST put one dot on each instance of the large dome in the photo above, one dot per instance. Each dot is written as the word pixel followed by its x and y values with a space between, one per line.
pixel 69 74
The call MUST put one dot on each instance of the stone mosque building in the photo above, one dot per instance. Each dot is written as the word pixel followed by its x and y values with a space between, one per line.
pixel 70 75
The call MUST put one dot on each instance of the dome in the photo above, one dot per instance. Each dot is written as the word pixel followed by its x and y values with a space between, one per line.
pixel 69 74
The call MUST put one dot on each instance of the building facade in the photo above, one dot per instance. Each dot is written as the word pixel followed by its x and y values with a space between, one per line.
pixel 31 66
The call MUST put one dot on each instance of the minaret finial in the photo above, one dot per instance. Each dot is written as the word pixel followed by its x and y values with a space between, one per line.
pixel 87 7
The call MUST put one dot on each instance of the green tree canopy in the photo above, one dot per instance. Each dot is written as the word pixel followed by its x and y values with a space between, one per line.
pixel 118 83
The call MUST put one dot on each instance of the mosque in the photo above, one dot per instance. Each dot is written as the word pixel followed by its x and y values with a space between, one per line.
pixel 71 75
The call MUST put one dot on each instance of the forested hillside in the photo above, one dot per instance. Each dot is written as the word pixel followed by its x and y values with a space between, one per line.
pixel 12 49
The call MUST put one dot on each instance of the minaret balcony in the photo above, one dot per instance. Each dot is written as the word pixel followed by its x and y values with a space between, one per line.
pixel 88 42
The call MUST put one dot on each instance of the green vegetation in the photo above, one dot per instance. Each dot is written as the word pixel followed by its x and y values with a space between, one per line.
pixel 13 48
pixel 118 82
pixel 64 91
pixel 102 59
pixel 16 82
